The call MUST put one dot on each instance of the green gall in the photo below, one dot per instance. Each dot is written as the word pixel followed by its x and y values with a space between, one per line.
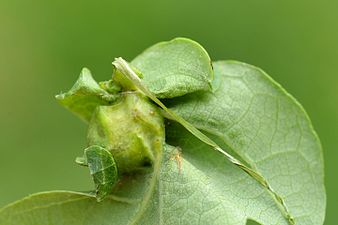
pixel 132 130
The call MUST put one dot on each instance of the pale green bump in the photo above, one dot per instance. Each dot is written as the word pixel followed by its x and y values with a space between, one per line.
pixel 132 130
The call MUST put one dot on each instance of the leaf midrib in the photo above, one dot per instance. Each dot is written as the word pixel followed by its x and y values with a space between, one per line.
pixel 147 196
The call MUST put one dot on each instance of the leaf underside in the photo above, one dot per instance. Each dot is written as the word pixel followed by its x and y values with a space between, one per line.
pixel 252 116
pixel 246 113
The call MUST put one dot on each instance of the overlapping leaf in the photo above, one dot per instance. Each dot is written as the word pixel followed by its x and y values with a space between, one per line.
pixel 251 115
pixel 175 68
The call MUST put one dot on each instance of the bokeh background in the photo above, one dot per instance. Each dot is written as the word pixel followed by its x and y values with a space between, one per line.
pixel 44 45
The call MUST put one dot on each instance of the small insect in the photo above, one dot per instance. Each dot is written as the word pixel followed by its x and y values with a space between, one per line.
pixel 178 158
pixel 151 112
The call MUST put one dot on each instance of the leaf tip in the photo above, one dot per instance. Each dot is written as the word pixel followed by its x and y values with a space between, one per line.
pixel 81 161
pixel 85 71
pixel 60 97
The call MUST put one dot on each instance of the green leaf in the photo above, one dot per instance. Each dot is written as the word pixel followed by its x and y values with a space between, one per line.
pixel 103 169
pixel 66 207
pixel 85 96
pixel 252 116
pixel 130 200
pixel 175 68
pixel 246 113
pixel 198 187
pixel 125 69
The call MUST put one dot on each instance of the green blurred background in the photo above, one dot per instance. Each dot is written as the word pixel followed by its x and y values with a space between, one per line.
pixel 44 45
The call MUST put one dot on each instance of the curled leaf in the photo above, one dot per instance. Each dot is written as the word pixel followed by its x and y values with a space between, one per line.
pixel 103 169
pixel 175 68
pixel 85 96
